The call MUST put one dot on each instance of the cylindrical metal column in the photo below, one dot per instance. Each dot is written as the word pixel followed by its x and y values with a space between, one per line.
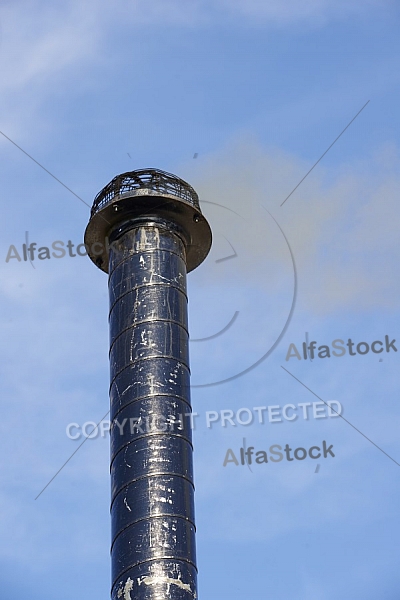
pixel 152 492
pixel 152 509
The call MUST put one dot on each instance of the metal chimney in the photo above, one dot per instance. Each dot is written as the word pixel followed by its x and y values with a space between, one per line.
pixel 147 231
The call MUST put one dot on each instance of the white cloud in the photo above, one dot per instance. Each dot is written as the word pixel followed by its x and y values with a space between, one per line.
pixel 341 224
pixel 39 41
pixel 39 44
pixel 42 44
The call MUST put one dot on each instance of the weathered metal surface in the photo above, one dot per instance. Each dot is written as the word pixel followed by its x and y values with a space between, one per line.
pixel 147 194
pixel 145 182
pixel 146 230
pixel 152 507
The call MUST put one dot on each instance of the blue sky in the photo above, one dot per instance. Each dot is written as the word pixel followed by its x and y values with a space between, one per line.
pixel 259 91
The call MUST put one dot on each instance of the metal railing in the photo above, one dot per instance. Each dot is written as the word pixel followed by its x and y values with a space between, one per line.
pixel 159 182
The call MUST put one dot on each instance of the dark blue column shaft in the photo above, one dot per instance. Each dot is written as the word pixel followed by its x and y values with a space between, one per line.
pixel 152 508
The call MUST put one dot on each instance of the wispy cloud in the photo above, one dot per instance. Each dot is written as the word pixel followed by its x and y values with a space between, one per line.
pixel 317 12
pixel 341 223
pixel 46 46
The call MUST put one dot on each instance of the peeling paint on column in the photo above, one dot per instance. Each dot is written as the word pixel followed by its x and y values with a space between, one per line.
pixel 127 505
pixel 126 590
pixel 168 581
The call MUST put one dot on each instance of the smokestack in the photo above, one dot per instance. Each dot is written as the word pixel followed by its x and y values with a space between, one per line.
pixel 147 231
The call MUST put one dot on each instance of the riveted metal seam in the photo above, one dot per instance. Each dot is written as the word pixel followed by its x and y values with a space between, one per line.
pixel 137 252
pixel 142 322
pixel 153 474
pixel 149 560
pixel 134 362
pixel 157 516
pixel 146 436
